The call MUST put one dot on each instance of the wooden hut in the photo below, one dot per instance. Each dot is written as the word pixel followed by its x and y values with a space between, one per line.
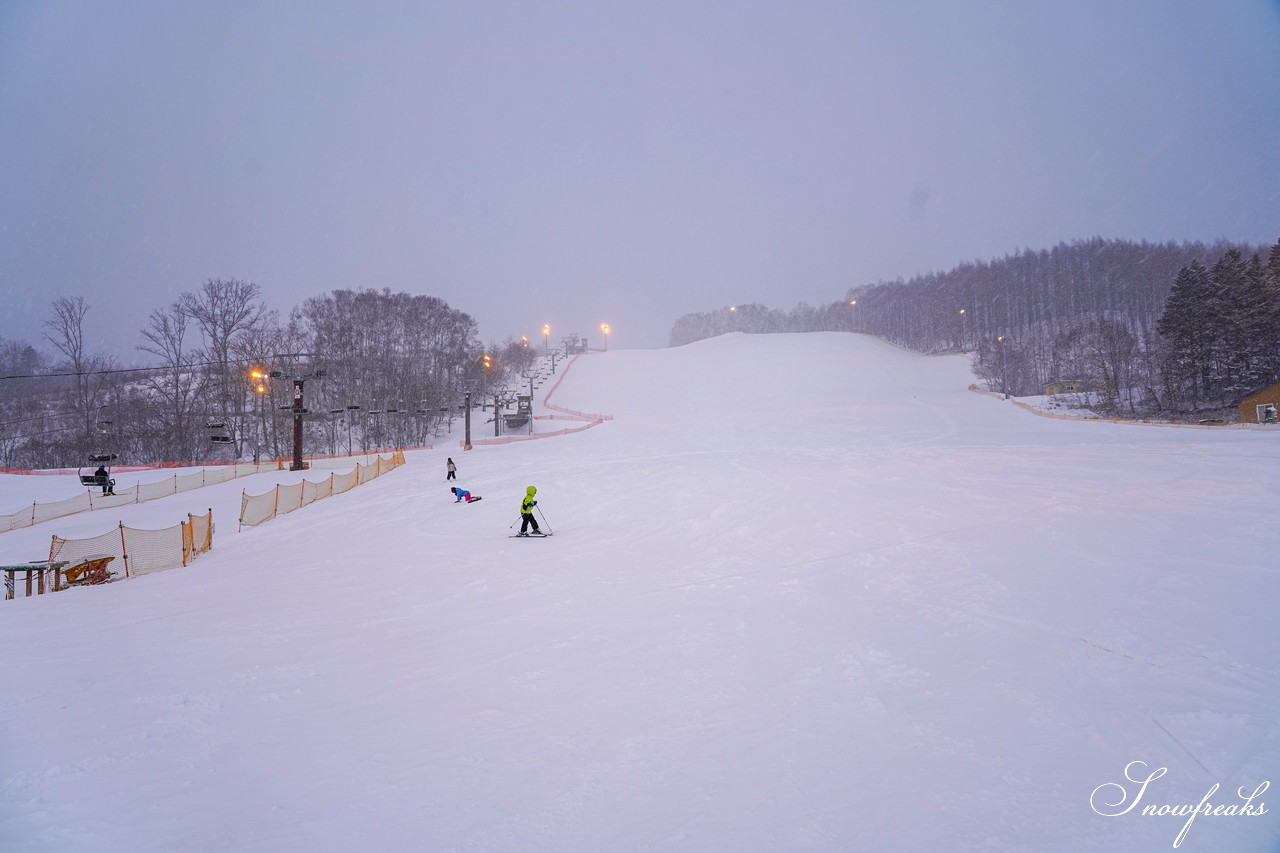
pixel 1262 406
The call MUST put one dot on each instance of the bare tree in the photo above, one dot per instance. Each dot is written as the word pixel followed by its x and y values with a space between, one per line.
pixel 90 381
pixel 66 329
pixel 224 311
pixel 175 390
pixel 262 428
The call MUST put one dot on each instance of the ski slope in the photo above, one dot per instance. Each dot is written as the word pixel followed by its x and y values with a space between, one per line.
pixel 805 593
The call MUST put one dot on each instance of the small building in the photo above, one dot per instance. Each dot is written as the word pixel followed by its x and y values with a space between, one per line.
pixel 1066 386
pixel 1262 406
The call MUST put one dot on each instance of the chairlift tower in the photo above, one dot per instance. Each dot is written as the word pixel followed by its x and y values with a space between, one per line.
pixel 297 367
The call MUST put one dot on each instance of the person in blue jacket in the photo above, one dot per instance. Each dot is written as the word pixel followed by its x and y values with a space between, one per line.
pixel 462 495
pixel 526 511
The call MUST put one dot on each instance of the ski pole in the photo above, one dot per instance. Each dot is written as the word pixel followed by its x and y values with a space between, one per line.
pixel 544 519
pixel 513 524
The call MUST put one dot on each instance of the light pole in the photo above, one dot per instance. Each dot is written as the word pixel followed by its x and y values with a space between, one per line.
pixel 604 327
pixel 466 420
pixel 258 377
pixel 1004 373
pixel 546 337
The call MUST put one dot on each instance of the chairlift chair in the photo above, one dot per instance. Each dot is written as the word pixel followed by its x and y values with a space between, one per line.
pixel 218 433
pixel 96 480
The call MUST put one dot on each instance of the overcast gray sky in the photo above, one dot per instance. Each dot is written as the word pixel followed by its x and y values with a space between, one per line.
pixel 574 163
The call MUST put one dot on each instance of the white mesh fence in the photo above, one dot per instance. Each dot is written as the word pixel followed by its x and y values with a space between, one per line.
pixel 93 498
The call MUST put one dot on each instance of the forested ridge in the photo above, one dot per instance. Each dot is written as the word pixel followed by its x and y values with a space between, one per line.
pixel 1149 327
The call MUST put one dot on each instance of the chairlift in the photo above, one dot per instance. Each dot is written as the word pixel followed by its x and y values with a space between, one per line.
pixel 101 477
pixel 219 433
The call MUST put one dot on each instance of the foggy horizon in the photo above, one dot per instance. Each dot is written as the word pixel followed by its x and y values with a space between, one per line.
pixel 573 164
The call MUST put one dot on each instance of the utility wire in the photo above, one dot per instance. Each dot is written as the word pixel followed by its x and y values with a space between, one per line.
pixel 130 369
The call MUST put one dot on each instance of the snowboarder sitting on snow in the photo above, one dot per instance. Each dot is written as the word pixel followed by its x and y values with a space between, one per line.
pixel 526 512
pixel 462 495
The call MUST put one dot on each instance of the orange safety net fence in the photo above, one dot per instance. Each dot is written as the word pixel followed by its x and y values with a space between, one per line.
pixel 255 509
pixel 140 552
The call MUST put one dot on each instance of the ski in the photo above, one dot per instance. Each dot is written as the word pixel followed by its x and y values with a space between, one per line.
pixel 529 536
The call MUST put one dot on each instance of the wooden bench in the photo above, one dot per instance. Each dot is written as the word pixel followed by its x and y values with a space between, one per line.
pixel 89 571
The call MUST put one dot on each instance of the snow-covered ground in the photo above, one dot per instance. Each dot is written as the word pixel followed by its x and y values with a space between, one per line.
pixel 805 593
pixel 1065 405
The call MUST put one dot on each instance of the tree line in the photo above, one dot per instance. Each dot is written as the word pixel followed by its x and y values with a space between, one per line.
pixel 378 368
pixel 1149 328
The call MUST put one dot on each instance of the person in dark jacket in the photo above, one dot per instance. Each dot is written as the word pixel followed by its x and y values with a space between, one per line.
pixel 104 480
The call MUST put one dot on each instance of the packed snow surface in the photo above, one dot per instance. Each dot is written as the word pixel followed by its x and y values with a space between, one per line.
pixel 805 593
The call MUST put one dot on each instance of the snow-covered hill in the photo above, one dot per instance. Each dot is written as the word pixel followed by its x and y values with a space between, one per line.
pixel 805 593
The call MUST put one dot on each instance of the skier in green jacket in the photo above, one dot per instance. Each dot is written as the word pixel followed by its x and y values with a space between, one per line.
pixel 526 511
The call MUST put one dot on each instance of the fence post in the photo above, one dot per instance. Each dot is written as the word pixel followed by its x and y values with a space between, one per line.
pixel 124 551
